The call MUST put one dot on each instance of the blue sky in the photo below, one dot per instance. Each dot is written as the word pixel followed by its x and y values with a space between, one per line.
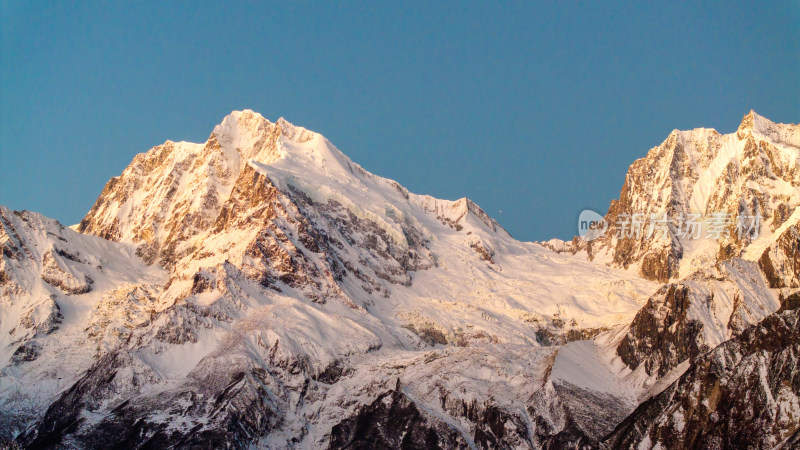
pixel 533 110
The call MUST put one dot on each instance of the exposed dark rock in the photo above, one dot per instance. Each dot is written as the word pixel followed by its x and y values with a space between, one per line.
pixel 55 274
pixel 664 333
pixel 28 351
pixel 228 414
pixel 70 256
pixel 661 336
pixel 484 253
pixel 394 421
pixel 548 335
pixel 781 213
pixel 594 413
pixel 781 261
pixel 739 395
pixel 660 265
pixel 202 282
pixel 428 333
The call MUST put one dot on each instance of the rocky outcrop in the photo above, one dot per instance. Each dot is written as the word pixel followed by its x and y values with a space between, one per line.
pixel 39 319
pixel 781 261
pixel 428 408
pixel 662 336
pixel 743 394
pixel 55 274
pixel 683 320
pixel 119 312
pixel 395 421
pixel 227 412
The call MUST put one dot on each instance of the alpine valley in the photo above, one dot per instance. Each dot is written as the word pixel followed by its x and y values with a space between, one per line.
pixel 262 290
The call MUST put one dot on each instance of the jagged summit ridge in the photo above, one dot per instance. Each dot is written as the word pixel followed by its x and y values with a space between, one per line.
pixel 178 190
pixel 284 205
pixel 244 129
pixel 781 133
pixel 754 172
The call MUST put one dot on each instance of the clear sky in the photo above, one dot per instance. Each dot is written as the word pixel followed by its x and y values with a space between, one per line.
pixel 533 110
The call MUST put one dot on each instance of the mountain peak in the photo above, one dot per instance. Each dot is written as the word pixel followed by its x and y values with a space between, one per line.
pixel 242 129
pixel 239 128
pixel 754 122
pixel 777 132
pixel 294 132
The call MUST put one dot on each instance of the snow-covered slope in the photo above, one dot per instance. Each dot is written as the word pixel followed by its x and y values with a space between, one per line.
pixel 65 298
pixel 282 254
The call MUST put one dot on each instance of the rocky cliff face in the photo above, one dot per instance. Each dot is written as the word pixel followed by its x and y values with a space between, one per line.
pixel 686 319
pixel 743 394
pixel 780 262
pixel 713 179
pixel 261 289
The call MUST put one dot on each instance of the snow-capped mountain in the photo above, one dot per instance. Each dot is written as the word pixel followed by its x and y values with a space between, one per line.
pixel 292 212
pixel 750 177
pixel 263 289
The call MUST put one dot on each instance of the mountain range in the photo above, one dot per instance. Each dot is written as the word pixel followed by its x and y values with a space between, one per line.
pixel 262 290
